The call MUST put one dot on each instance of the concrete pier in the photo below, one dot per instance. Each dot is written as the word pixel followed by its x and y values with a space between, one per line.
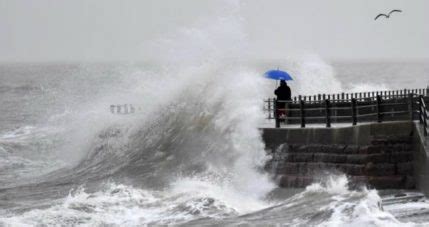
pixel 382 155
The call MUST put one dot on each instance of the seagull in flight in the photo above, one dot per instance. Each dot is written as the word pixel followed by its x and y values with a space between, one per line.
pixel 388 15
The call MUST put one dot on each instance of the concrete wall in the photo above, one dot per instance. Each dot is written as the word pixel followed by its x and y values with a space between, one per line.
pixel 421 159
pixel 365 135
pixel 356 135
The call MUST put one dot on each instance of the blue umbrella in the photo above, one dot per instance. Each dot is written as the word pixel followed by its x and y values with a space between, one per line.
pixel 277 74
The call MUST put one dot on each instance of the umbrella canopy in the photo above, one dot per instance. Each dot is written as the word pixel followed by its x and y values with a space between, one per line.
pixel 277 74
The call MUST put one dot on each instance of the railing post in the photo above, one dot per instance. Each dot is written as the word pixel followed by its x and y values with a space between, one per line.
pixel 425 123
pixel 276 117
pixel 410 106
pixel 421 109
pixel 423 115
pixel 328 113
pixel 354 114
pixel 269 108
pixel 379 114
pixel 427 90
pixel 301 106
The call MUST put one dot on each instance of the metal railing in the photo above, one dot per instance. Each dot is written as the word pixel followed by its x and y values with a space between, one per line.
pixel 423 114
pixel 337 97
pixel 386 106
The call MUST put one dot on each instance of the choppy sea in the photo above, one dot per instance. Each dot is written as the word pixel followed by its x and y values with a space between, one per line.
pixel 191 153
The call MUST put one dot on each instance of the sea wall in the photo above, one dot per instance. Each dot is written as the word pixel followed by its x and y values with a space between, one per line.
pixel 380 155
pixel 421 159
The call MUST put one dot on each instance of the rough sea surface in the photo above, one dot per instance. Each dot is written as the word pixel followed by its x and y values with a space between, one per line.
pixel 191 154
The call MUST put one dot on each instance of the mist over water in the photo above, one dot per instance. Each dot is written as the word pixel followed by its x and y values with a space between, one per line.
pixel 192 153
pixel 192 145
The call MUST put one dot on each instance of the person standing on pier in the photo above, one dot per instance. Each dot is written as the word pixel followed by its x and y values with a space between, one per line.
pixel 283 94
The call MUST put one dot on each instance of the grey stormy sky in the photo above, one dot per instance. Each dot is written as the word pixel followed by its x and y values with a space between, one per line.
pixel 113 30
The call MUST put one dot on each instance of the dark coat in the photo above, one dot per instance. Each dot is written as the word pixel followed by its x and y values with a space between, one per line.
pixel 283 93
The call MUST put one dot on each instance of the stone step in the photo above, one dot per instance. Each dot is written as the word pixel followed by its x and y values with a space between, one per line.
pixel 393 157
pixel 369 169
pixel 378 182
pixel 386 140
pixel 342 149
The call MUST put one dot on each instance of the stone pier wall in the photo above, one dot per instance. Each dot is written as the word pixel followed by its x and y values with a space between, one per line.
pixel 380 155
pixel 421 159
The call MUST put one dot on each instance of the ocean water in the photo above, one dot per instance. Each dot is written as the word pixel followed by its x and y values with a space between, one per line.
pixel 191 154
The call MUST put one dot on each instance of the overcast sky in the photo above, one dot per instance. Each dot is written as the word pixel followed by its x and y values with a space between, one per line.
pixel 113 30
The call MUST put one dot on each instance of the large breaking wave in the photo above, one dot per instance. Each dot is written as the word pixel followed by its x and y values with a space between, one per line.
pixel 192 150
